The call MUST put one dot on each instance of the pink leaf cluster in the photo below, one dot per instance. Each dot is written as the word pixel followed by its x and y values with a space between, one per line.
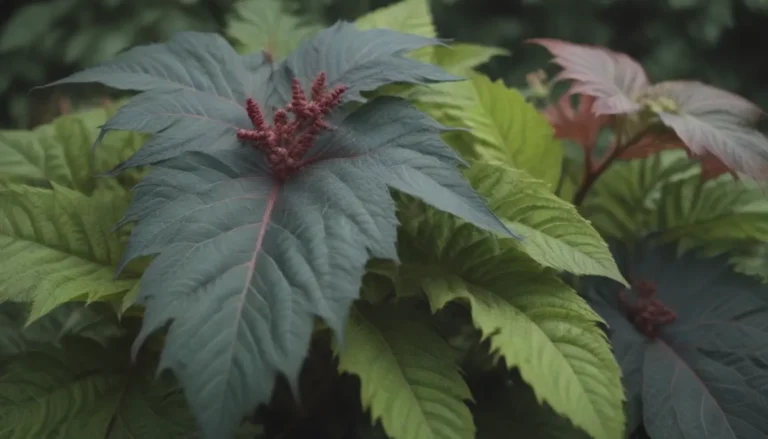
pixel 712 124
pixel 287 141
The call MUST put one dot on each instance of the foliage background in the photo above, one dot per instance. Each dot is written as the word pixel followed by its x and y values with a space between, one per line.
pixel 721 42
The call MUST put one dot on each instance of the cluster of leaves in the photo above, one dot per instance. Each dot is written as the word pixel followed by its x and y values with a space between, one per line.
pixel 339 236
pixel 715 41
pixel 245 260
pixel 690 336
pixel 44 39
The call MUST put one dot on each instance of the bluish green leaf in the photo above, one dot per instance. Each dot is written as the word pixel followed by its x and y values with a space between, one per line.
pixel 703 376
pixel 246 262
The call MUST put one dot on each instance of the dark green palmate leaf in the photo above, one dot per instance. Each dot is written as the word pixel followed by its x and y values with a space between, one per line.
pixel 246 260
pixel 703 376
pixel 86 390
pixel 96 321
pixel 195 86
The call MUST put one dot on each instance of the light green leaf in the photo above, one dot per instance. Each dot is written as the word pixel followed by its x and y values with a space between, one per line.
pixel 623 201
pixel 512 131
pixel 89 391
pixel 60 152
pixel 554 234
pixel 663 195
pixel 504 127
pixel 409 380
pixel 719 215
pixel 533 320
pixel 267 25
pixel 461 58
pixel 408 16
pixel 57 245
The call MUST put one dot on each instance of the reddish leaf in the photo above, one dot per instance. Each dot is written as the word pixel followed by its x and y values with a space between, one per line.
pixel 613 78
pixel 580 125
pixel 713 121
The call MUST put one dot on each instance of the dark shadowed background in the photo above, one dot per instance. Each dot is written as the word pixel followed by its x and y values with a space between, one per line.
pixel 722 42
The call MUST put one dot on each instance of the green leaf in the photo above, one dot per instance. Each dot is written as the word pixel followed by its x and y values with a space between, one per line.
pixel 96 321
pixel 718 215
pixel 504 127
pixel 461 58
pixel 533 320
pixel 89 391
pixel 664 196
pixel 60 152
pixel 57 245
pixel 623 201
pixel 267 25
pixel 554 233
pixel 409 380
pixel 408 16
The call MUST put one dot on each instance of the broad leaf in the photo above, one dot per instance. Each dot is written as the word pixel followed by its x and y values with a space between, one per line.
pixel 60 152
pixel 713 121
pixel 361 60
pixel 504 127
pixel 57 245
pixel 703 376
pixel 196 85
pixel 96 321
pixel 614 79
pixel 462 58
pixel 664 195
pixel 86 391
pixel 623 202
pixel 554 233
pixel 533 320
pixel 245 262
pixel 407 16
pixel 267 25
pixel 409 380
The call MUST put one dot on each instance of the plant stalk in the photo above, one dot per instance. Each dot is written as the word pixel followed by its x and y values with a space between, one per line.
pixel 592 173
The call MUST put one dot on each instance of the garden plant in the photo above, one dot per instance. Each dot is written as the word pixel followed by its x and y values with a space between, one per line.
pixel 350 232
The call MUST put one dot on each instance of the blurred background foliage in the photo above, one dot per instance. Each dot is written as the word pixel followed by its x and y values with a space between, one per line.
pixel 722 42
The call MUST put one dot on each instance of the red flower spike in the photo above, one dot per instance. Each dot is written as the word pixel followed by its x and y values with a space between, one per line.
pixel 647 313
pixel 318 87
pixel 288 140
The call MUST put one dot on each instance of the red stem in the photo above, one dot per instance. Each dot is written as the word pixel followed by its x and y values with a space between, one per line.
pixel 592 173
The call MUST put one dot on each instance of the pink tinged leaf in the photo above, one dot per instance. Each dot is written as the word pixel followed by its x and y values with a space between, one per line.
pixel 613 78
pixel 580 125
pixel 716 122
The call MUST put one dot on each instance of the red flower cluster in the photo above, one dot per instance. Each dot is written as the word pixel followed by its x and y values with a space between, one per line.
pixel 648 314
pixel 288 140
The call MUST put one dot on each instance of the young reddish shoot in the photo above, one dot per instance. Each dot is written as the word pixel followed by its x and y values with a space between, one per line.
pixel 647 313
pixel 287 141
